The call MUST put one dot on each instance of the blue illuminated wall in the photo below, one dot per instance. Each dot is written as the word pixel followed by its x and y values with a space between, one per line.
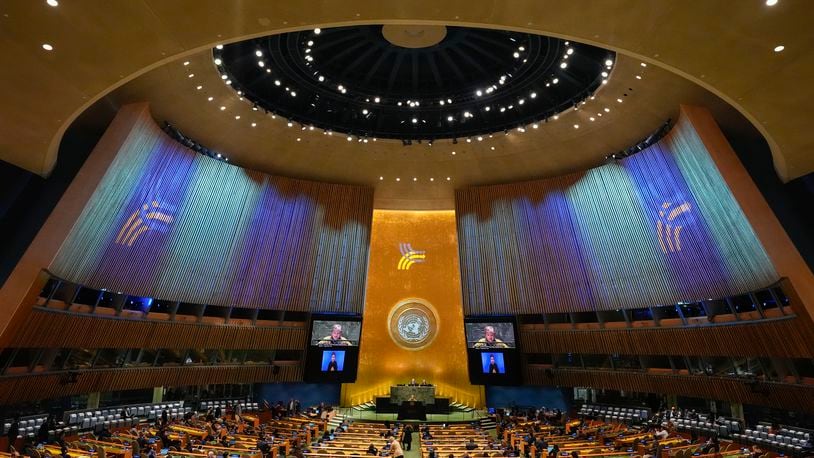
pixel 658 227
pixel 167 222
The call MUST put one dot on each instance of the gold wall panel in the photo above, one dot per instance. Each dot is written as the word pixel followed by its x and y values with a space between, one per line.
pixel 433 279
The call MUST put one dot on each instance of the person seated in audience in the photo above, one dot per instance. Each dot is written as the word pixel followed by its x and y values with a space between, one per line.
pixel 372 450
pixel 425 383
pixel 712 445
pixel 555 450
pixel 471 445
pixel 661 433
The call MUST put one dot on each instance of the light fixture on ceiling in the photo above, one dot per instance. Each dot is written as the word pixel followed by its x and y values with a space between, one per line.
pixel 779 48
pixel 768 3
pixel 47 47
pixel 317 31
pixel 55 3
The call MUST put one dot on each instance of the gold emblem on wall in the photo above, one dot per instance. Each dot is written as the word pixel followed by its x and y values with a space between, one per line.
pixel 409 256
pixel 413 324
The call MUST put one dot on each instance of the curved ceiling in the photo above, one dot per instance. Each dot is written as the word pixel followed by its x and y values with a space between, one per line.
pixel 725 47
pixel 462 82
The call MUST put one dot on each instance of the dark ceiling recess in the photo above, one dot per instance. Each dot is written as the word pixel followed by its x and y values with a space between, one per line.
pixel 353 80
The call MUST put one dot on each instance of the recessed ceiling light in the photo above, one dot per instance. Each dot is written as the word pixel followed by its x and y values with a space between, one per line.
pixel 237 117
pixel 260 63
pixel 317 31
pixel 376 100
pixel 493 148
pixel 186 63
pixel 222 108
pixel 453 153
pixel 576 126
pixel 219 47
pixel 223 77
pixel 349 138
pixel 290 124
pixel 777 48
pixel 218 61
pixel 555 117
pixel 592 118
pixel 563 65
pixel 604 74
pixel 432 179
pixel 448 178
pixel 535 125
pixel 768 3
pixel 210 98
pixel 199 87
pixel 608 62
pixel 570 51
pixel 414 120
pixel 293 94
pixel 254 124
pixel 381 178
pixel 228 81
pixel 191 75
pixel 299 139
pixel 450 118
pixel 398 179
pixel 643 64
pixel 56 3
pixel 638 77
pixel 607 110
pixel 258 53
pixel 533 95
pixel 415 178
pixel 516 55
pixel 555 80
pixel 47 47
pixel 487 108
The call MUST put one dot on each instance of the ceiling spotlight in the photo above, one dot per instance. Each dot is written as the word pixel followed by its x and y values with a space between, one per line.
pixel 222 108
pixel 376 100
pixel 258 53
pixel 570 51
pixel 47 47
pixel 260 63
pixel 469 140
pixel 555 117
pixel 448 178
pixel 564 65
pixel 576 126
pixel 290 124
pixel 223 77
pixel 432 179
pixel 191 75
pixel 52 2
pixel 441 103
pixel 364 111
pixel 521 48
pixel 607 110
pixel 533 95
pixel 381 178
pixel 254 124
pixel 321 78
pixel 210 98
pixel 493 148
pixel 604 81
pixel 310 127
pixel 218 61
pixel 479 93
pixel 450 118
pixel 293 94
pixel 555 80
pixel 415 120
pixel 516 55
pixel 619 100
pixel 487 108
pixel 768 2
pixel 638 77
pixel 349 138
pixel 480 139
pixel 643 64
pixel 453 153
pixel 237 117
pixel 228 81
pixel 415 178
pixel 219 47
pixel 449 100
pixel 777 48
pixel 608 62
pixel 592 118
pixel 521 101
pixel 535 125
pixel 199 87
pixel 605 74
pixel 317 31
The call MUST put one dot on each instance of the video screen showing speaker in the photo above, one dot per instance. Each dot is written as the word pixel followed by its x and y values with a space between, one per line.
pixel 333 348
pixel 490 334
pixel 492 351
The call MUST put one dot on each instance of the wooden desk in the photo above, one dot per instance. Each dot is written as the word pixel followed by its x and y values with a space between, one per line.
pixel 111 448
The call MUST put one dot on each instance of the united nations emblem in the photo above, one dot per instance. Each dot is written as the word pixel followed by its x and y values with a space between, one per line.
pixel 412 324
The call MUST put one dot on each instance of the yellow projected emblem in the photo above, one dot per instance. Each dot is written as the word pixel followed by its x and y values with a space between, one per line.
pixel 669 232
pixel 409 256
pixel 149 216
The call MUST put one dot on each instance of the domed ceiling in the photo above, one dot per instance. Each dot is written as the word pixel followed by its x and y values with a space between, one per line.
pixel 413 82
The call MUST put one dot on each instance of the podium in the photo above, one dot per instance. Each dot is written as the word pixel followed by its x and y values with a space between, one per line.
pixel 412 410
pixel 421 393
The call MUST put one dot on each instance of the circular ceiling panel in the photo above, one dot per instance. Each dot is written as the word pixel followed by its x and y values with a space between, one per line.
pixel 413 83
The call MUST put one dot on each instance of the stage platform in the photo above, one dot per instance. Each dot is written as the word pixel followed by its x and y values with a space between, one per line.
pixel 455 415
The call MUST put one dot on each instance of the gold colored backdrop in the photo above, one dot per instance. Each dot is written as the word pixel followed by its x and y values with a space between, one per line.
pixel 383 363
